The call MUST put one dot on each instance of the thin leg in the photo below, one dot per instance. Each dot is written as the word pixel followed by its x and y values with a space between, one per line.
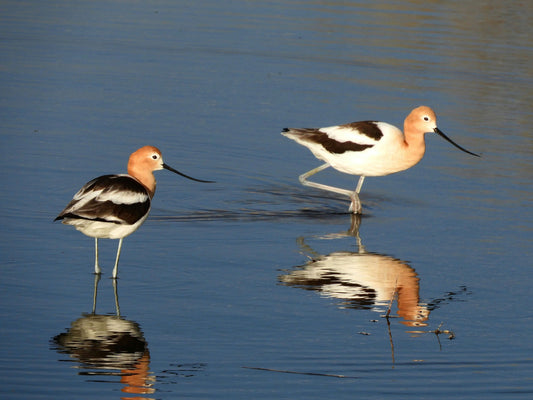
pixel 97 269
pixel 303 177
pixel 115 269
pixel 355 205
pixel 304 181
pixel 115 290
pixel 96 280
pixel 360 184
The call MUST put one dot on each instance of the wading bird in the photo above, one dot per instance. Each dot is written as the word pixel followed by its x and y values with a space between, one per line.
pixel 368 148
pixel 114 206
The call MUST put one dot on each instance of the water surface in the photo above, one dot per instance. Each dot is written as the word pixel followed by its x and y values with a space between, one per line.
pixel 257 287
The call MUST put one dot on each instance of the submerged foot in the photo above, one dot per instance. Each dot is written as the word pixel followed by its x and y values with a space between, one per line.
pixel 355 205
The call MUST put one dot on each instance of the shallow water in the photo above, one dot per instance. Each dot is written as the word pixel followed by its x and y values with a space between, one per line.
pixel 257 287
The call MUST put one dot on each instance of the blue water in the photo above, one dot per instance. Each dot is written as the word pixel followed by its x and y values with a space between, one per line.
pixel 257 287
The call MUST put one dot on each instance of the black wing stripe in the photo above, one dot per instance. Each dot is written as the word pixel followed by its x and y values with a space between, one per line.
pixel 367 128
pixel 336 147
pixel 82 206
pixel 110 212
pixel 322 138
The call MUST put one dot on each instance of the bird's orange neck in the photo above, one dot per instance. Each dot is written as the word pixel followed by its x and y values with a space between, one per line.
pixel 414 145
pixel 146 177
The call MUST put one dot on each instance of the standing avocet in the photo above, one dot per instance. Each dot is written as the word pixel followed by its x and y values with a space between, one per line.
pixel 114 206
pixel 368 148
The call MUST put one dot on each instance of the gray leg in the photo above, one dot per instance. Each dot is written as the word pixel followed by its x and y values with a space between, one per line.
pixel 359 184
pixel 304 181
pixel 355 205
pixel 115 290
pixel 96 280
pixel 115 269
pixel 97 269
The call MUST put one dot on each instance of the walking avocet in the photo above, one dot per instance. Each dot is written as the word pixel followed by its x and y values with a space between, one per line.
pixel 368 148
pixel 114 206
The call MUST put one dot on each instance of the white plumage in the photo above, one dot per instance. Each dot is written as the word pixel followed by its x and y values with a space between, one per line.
pixel 367 148
pixel 114 206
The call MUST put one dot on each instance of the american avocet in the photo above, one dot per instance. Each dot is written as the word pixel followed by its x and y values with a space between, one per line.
pixel 114 206
pixel 368 148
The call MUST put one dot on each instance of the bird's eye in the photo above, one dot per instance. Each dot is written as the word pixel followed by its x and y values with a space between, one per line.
pixel 426 118
pixel 155 156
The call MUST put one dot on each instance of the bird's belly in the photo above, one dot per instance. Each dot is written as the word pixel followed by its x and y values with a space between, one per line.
pixel 369 162
pixel 102 229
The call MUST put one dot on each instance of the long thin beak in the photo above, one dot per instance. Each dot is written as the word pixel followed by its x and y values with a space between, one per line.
pixel 186 176
pixel 442 135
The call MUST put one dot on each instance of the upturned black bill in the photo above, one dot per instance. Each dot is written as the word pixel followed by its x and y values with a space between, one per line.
pixel 442 135
pixel 186 176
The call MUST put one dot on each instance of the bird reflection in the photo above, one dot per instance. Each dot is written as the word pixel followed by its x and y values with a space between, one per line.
pixel 361 280
pixel 109 345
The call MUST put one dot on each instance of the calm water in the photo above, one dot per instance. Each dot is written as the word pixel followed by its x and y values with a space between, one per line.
pixel 257 287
